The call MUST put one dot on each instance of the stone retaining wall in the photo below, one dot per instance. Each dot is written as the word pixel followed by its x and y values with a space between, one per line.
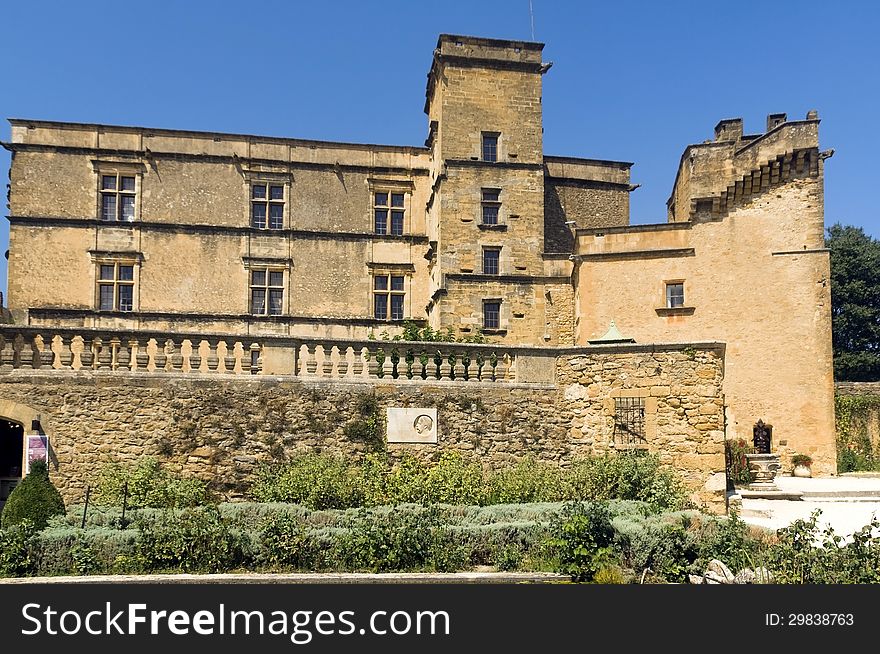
pixel 220 428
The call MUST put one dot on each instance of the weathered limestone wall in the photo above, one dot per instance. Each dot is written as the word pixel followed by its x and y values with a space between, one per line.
pixel 870 417
pixel 779 360
pixel 219 429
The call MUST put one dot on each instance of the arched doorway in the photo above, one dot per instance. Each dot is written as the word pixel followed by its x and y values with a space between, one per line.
pixel 11 457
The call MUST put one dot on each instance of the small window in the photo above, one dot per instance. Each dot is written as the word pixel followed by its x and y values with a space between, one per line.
pixel 388 297
pixel 116 287
pixel 118 197
pixel 491 314
pixel 267 206
pixel 490 146
pixel 674 295
pixel 629 421
pixel 388 213
pixel 491 258
pixel 491 205
pixel 267 292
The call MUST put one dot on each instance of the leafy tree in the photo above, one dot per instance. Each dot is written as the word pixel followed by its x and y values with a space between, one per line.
pixel 855 303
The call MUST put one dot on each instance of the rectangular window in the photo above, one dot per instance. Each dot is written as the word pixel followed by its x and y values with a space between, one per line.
pixel 629 420
pixel 491 203
pixel 116 287
pixel 267 206
pixel 267 292
pixel 491 258
pixel 118 197
pixel 388 205
pixel 490 146
pixel 674 295
pixel 388 297
pixel 491 314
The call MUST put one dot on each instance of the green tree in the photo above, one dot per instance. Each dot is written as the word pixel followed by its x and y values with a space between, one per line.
pixel 855 302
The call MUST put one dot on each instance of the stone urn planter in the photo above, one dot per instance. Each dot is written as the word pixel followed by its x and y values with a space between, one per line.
pixel 801 463
pixel 763 469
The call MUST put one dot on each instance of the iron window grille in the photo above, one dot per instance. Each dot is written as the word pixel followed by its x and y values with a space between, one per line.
pixel 629 421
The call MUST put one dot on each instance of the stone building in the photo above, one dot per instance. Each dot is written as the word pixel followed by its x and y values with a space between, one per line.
pixel 139 250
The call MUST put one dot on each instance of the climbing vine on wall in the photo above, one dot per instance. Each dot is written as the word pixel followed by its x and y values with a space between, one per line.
pixel 853 414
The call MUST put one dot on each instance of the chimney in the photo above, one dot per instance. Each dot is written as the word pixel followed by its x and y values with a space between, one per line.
pixel 729 130
pixel 775 120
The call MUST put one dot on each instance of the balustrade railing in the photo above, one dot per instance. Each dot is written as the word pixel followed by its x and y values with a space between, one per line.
pixel 83 349
pixel 37 348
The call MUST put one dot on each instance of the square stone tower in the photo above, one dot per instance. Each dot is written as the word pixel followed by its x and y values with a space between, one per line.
pixel 486 208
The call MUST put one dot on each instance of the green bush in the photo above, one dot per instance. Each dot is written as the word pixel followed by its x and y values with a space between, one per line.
pixel 322 481
pixel 192 540
pixel 35 499
pixel 582 539
pixel 527 481
pixel 631 476
pixel 317 481
pixel 148 485
pixel 17 549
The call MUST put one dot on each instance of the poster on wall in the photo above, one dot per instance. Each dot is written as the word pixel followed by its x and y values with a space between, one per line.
pixel 37 450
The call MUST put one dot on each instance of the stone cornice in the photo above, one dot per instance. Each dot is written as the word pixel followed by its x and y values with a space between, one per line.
pixel 48 221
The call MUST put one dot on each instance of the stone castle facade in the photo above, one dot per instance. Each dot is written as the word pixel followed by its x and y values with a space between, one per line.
pixel 154 251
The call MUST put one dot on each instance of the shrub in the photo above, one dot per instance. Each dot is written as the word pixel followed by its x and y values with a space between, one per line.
pixel 627 477
pixel 801 460
pixel 455 479
pixel 17 546
pixel 731 540
pixel 193 540
pixel 314 480
pixel 582 539
pixel 35 499
pixel 735 459
pixel 284 542
pixel 528 481
pixel 397 540
pixel 147 484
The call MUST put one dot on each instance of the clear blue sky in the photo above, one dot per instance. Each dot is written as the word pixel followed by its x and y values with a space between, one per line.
pixel 631 81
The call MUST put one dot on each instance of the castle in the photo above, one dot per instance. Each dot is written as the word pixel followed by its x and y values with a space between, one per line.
pixel 141 259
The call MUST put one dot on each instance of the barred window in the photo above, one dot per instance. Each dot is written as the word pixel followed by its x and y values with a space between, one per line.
pixel 267 292
pixel 629 421
pixel 116 286
pixel 388 212
pixel 388 297
pixel 267 206
pixel 118 195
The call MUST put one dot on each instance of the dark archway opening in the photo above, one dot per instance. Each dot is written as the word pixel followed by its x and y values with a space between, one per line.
pixel 11 457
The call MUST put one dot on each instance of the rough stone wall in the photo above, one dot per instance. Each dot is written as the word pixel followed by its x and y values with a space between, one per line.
pixel 219 430
pixel 589 206
pixel 757 280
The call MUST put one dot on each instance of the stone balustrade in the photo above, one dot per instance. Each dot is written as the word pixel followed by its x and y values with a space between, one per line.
pixel 84 349
pixel 40 348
